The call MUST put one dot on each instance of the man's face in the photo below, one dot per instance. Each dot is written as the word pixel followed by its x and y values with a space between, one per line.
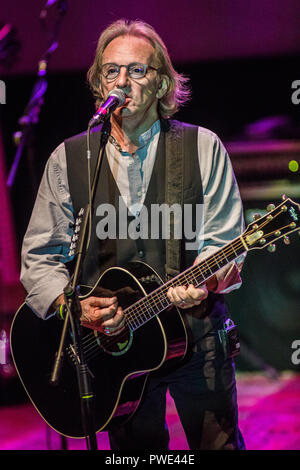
pixel 141 94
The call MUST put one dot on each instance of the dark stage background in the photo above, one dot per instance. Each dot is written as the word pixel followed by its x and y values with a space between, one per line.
pixel 241 60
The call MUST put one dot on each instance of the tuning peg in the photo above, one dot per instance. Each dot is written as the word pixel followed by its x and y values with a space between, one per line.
pixel 270 207
pixel 271 248
pixel 256 216
pixel 286 240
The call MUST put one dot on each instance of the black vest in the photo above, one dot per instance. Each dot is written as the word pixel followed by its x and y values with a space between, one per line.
pixel 104 253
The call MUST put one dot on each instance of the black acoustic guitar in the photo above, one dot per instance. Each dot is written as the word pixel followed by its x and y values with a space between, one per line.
pixel 154 336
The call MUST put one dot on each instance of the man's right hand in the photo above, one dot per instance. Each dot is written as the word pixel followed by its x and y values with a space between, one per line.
pixel 102 314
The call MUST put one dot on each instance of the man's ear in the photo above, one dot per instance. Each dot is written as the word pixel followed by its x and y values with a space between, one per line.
pixel 163 86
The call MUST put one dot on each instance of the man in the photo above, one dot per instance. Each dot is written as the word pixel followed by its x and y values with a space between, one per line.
pixel 131 56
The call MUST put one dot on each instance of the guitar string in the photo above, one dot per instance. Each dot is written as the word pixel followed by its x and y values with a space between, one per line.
pixel 220 256
pixel 105 343
pixel 194 270
pixel 111 340
pixel 190 273
pixel 157 295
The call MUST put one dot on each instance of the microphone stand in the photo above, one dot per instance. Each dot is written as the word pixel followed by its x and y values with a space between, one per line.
pixel 74 309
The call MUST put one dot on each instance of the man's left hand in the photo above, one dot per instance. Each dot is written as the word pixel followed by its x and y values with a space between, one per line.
pixel 187 297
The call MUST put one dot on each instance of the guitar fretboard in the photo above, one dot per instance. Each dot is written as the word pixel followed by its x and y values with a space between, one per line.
pixel 157 301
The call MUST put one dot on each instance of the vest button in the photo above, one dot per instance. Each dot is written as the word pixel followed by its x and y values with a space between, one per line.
pixel 141 254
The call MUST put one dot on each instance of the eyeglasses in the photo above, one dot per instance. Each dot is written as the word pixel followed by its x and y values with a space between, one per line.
pixel 134 70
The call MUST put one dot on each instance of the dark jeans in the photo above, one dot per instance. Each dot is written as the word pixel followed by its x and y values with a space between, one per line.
pixel 204 392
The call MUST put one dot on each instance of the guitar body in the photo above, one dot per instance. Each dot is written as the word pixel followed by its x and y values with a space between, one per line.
pixel 119 364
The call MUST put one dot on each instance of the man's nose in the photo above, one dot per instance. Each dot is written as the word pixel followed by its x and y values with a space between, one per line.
pixel 123 78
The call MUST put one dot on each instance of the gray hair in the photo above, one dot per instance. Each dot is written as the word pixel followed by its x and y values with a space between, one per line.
pixel 178 91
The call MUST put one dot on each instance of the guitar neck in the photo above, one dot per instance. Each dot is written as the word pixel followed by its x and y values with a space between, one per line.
pixel 157 301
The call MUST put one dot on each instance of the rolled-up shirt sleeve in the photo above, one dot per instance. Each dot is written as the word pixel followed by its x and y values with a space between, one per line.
pixel 223 218
pixel 45 248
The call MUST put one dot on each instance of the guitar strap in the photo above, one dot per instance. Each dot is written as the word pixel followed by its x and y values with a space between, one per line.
pixel 180 142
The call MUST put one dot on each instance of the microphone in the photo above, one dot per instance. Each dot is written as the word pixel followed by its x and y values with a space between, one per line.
pixel 115 99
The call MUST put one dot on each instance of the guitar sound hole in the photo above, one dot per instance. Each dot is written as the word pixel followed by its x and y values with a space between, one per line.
pixel 115 345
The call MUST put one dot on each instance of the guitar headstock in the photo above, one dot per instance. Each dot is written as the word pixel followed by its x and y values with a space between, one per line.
pixel 279 222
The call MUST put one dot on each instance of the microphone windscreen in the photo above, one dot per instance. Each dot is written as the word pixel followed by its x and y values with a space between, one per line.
pixel 118 94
